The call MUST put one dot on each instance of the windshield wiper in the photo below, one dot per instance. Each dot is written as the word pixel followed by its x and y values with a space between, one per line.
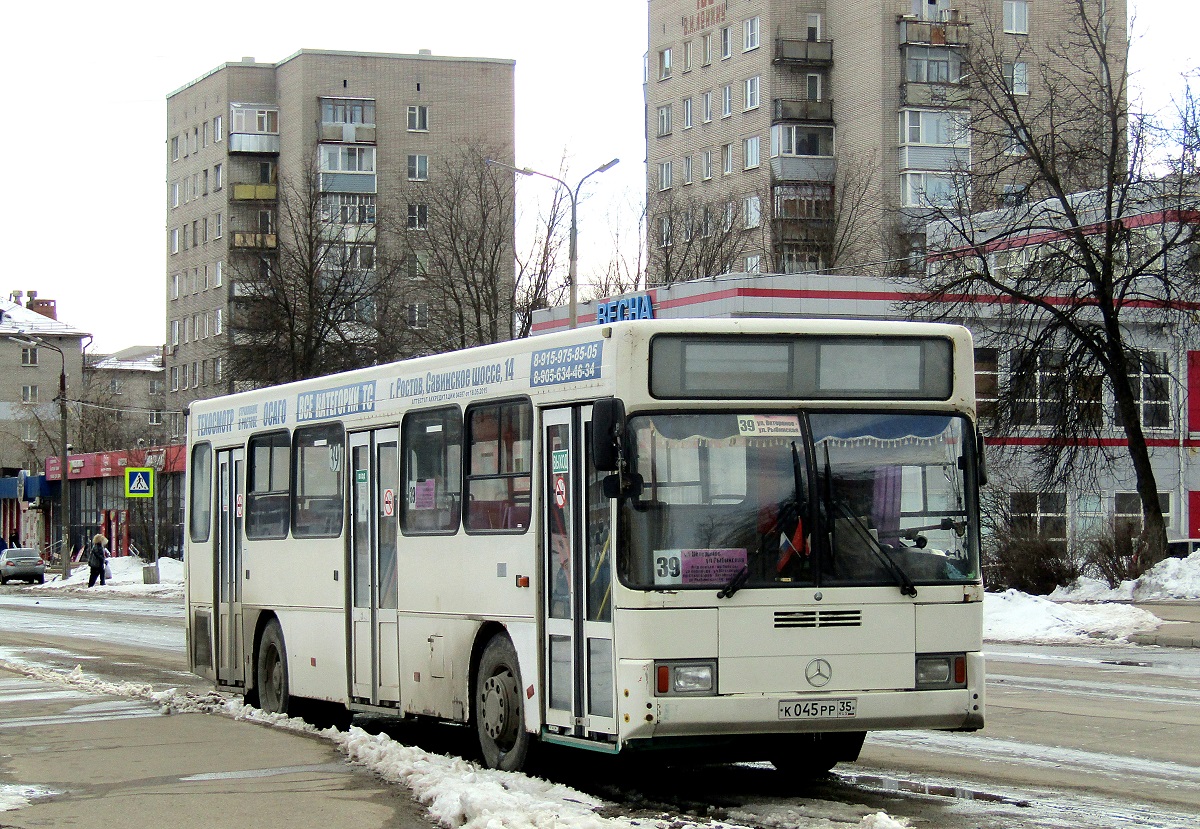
pixel 907 588
pixel 735 584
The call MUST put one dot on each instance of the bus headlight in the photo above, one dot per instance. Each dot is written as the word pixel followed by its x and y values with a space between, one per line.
pixel 685 678
pixel 941 670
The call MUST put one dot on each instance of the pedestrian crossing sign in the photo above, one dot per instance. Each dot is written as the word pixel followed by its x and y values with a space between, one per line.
pixel 139 482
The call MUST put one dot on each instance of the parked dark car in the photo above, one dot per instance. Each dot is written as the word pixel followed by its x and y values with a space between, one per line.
pixel 22 563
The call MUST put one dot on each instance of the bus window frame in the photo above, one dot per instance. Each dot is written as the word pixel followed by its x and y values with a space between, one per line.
pixel 404 508
pixel 467 477
pixel 192 535
pixel 339 476
pixel 251 496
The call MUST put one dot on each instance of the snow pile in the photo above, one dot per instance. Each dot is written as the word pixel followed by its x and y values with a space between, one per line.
pixel 127 578
pixel 1171 578
pixel 1013 616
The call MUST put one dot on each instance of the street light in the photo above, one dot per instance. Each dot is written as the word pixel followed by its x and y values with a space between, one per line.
pixel 574 194
pixel 64 496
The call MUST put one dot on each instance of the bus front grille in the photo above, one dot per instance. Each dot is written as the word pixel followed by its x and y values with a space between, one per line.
pixel 818 618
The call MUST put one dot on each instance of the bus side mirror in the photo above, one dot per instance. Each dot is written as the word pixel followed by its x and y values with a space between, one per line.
pixel 608 428
pixel 980 463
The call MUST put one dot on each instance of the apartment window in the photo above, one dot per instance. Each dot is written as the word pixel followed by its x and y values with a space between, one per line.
pixel 931 64
pixel 1039 386
pixel 664 64
pixel 174 194
pixel 174 332
pixel 347 111
pixel 664 120
pixel 1016 78
pixel 29 355
pixel 706 165
pixel 157 386
pixel 1127 512
pixel 207 133
pixel 754 263
pixel 218 366
pixel 174 240
pixel 418 217
pixel 217 269
pixel 750 34
pixel 726 42
pixel 705 50
pixel 218 129
pixel 931 9
pixel 254 120
pixel 29 394
pixel 813 87
pixel 751 93
pixel 752 211
pixel 174 378
pixel 218 176
pixel 348 208
pixel 336 158
pixel 813 27
pixel 217 229
pixel 664 175
pixel 114 386
pixel 217 321
pixel 727 101
pixel 730 215
pixel 195 139
pixel 1016 17
pixel 727 159
pixel 195 374
pixel 687 113
pixel 195 232
pixel 1018 142
pixel 418 167
pixel 750 154
pixel 687 56
pixel 175 148
pixel 940 127
pixel 1041 515
pixel 803 201
pixel 987 382
pixel 687 169
pixel 266 170
pixel 155 418
pixel 664 231
pixel 706 106
pixel 204 179
pixel 418 118
pixel 1151 383
pixel 928 189
pixel 206 229
pixel 801 139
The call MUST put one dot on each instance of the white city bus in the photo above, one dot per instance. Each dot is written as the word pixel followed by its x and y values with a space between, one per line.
pixel 752 539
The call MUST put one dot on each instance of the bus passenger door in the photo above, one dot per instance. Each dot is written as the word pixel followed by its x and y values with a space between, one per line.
pixel 374 525
pixel 578 647
pixel 230 645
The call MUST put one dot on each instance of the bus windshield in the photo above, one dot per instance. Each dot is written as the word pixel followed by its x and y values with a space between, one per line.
pixel 799 499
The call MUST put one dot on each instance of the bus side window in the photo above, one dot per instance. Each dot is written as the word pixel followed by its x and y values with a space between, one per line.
pixel 268 483
pixel 500 444
pixel 432 451
pixel 200 508
pixel 319 454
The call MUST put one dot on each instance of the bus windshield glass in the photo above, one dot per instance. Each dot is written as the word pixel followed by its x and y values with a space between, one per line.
pixel 799 499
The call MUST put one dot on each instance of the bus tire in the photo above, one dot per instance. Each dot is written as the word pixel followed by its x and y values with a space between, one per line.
pixel 499 708
pixel 270 671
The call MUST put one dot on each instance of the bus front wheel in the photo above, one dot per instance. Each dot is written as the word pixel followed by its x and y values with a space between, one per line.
pixel 499 710
pixel 271 674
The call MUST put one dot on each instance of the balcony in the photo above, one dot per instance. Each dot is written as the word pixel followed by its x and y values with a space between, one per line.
pixel 255 192
pixel 914 94
pixel 804 52
pixel 930 33
pixel 244 142
pixel 348 133
pixel 802 109
pixel 254 241
pixel 814 230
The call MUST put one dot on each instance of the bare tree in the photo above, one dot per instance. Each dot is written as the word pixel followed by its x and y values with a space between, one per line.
pixel 625 270
pixel 308 288
pixel 1086 256
pixel 691 237
pixel 541 278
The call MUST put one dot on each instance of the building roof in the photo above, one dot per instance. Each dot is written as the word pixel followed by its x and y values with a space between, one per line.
pixel 17 319
pixel 134 358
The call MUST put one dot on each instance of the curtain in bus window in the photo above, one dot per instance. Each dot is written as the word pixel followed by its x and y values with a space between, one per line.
pixel 200 472
pixel 432 442
pixel 268 480
pixel 498 472
pixel 389 478
pixel 320 452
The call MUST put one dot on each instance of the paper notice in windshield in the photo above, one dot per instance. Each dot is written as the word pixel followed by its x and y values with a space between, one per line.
pixel 713 567
pixel 764 425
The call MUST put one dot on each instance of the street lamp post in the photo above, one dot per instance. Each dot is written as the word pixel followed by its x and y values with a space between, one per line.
pixel 572 272
pixel 64 490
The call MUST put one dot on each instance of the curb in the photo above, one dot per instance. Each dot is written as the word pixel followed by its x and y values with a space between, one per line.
pixel 1168 639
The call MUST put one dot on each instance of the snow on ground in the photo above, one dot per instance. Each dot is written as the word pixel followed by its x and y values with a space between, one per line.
pixel 1013 616
pixel 127 579
pixel 1172 578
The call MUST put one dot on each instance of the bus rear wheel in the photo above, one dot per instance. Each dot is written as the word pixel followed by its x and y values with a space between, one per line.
pixel 270 673
pixel 499 708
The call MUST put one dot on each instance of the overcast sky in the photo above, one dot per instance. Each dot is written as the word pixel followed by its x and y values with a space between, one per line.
pixel 86 115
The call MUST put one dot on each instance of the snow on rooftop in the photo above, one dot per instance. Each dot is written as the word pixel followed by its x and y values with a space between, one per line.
pixel 17 319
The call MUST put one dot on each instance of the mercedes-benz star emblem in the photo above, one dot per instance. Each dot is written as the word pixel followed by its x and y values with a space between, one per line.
pixel 818 673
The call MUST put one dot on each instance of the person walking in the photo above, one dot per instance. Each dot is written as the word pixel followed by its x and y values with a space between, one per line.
pixel 96 557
